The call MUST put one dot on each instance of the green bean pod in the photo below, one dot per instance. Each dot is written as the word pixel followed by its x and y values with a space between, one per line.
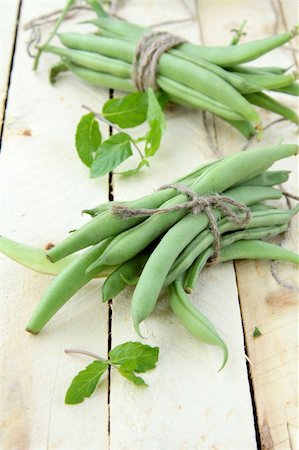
pixel 266 102
pixel 268 178
pixel 258 250
pixel 64 286
pixel 115 283
pixel 243 126
pixel 171 245
pixel 204 239
pixel 108 224
pixel 258 70
pixel 227 248
pixel 113 48
pixel 270 81
pixel 196 323
pixel 218 178
pixel 291 89
pixel 233 79
pixel 93 61
pixel 101 79
pixel 105 225
pixel 33 258
pixel 99 209
pixel 206 84
pixel 183 95
pixel 224 56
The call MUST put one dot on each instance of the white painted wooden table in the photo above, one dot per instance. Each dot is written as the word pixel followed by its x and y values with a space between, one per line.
pixel 44 186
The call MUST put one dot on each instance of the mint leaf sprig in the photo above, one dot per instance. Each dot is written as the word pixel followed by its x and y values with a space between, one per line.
pixel 126 112
pixel 127 358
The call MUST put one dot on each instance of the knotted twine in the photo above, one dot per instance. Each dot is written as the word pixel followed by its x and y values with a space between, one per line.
pixel 196 204
pixel 146 58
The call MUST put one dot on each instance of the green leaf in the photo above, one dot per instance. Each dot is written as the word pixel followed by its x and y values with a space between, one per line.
pixel 256 333
pixel 56 70
pixel 156 121
pixel 110 154
pixel 128 111
pixel 127 173
pixel 134 356
pixel 162 98
pixel 154 110
pixel 88 138
pixel 153 139
pixel 132 377
pixel 84 384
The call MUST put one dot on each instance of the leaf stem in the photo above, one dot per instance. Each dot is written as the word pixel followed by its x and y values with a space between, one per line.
pixel 113 125
pixel 92 355
pixel 83 352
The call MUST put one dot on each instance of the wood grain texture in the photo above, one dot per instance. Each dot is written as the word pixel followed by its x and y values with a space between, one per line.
pixel 8 27
pixel 264 303
pixel 187 399
pixel 44 186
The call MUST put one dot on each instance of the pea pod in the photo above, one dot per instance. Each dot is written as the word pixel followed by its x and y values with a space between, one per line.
pixel 195 322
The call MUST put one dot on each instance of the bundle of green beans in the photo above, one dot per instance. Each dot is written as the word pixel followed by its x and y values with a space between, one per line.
pixel 213 79
pixel 168 249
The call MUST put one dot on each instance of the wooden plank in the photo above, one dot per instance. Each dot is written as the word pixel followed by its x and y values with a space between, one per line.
pixel 186 399
pixel 44 186
pixel 8 27
pixel 264 303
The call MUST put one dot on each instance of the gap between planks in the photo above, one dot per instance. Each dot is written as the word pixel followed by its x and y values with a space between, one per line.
pixel 11 62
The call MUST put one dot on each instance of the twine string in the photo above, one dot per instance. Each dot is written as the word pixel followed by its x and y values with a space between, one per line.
pixel 196 204
pixel 147 55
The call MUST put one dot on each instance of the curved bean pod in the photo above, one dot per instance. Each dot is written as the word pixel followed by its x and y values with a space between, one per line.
pixel 185 96
pixel 267 81
pixel 64 286
pixel 204 239
pixel 267 102
pixel 269 178
pixel 224 56
pixel 218 178
pixel 258 250
pixel 114 283
pixel 105 225
pixel 251 234
pixel 101 79
pixel 93 61
pixel 33 258
pixel 292 89
pixel 195 322
pixel 164 255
